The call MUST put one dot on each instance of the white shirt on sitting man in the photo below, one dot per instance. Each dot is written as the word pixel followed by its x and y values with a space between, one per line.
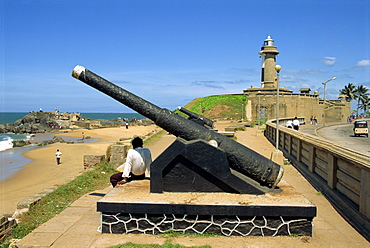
pixel 137 162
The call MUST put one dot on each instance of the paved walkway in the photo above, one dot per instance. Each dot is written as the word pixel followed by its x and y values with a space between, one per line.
pixel 77 226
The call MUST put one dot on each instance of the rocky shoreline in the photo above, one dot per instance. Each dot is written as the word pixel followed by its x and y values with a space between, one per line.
pixel 42 122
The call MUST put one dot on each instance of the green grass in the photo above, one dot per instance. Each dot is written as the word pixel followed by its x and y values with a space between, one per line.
pixel 218 107
pixel 155 137
pixel 167 244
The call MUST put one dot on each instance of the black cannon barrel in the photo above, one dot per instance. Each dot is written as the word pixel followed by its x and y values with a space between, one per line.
pixel 240 158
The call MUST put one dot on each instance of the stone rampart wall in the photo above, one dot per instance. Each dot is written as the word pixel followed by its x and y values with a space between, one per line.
pixel 291 105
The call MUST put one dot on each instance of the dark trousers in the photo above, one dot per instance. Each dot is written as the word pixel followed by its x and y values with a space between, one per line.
pixel 58 160
pixel 296 127
pixel 114 179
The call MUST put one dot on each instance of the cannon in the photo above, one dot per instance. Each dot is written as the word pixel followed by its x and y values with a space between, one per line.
pixel 240 158
pixel 197 118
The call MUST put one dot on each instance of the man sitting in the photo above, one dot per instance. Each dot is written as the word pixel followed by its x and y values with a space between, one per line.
pixel 138 160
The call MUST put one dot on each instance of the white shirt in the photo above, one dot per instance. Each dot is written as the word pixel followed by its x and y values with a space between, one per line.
pixel 289 123
pixel 57 154
pixel 295 122
pixel 138 160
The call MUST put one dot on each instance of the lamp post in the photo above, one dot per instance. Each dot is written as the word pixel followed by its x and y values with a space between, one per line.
pixel 324 83
pixel 277 69
pixel 259 109
pixel 242 112
pixel 277 155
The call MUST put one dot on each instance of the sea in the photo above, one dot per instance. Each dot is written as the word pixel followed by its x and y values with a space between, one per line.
pixel 10 117
pixel 11 159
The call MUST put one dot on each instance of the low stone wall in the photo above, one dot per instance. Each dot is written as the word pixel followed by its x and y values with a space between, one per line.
pixel 202 224
pixel 118 155
pixel 342 175
pixel 92 160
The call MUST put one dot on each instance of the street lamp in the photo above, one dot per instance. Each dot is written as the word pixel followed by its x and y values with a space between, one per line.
pixel 324 83
pixel 277 155
pixel 242 112
pixel 277 69
pixel 259 109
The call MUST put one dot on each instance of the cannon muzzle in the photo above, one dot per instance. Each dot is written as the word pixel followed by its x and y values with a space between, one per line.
pixel 240 158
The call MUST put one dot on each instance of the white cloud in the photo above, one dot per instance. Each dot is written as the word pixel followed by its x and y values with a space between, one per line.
pixel 329 60
pixel 292 78
pixel 360 65
pixel 305 71
pixel 364 62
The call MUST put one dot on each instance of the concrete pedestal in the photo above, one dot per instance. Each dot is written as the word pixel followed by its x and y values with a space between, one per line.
pixel 277 157
pixel 131 208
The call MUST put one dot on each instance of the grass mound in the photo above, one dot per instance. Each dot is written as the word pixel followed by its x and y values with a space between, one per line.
pixel 219 107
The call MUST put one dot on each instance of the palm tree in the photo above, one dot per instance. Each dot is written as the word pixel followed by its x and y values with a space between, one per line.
pixel 365 103
pixel 360 93
pixel 348 92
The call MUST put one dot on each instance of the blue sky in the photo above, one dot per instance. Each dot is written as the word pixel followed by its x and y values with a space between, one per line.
pixel 170 52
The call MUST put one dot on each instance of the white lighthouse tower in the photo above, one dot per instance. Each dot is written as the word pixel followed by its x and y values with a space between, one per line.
pixel 268 53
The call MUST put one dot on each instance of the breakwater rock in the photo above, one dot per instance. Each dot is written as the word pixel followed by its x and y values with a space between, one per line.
pixel 20 143
pixel 40 122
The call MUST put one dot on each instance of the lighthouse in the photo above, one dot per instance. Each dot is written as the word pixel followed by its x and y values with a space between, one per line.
pixel 268 53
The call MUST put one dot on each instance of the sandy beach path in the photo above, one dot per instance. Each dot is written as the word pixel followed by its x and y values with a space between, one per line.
pixel 43 172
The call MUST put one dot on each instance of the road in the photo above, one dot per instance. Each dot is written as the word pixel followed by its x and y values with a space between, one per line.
pixel 343 135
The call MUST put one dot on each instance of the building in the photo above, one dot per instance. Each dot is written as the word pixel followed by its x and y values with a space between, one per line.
pixel 262 101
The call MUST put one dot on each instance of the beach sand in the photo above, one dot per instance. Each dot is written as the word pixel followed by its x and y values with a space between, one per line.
pixel 43 172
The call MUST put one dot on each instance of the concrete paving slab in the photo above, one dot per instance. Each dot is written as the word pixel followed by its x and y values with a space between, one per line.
pixel 73 241
pixel 75 211
pixel 54 226
pixel 39 240
pixel 84 229
pixel 88 199
pixel 71 217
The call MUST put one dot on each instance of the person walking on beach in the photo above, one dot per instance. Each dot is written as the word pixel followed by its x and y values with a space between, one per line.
pixel 58 154
pixel 138 160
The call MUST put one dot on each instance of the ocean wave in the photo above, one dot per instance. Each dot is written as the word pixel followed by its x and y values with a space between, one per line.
pixel 7 138
pixel 6 144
